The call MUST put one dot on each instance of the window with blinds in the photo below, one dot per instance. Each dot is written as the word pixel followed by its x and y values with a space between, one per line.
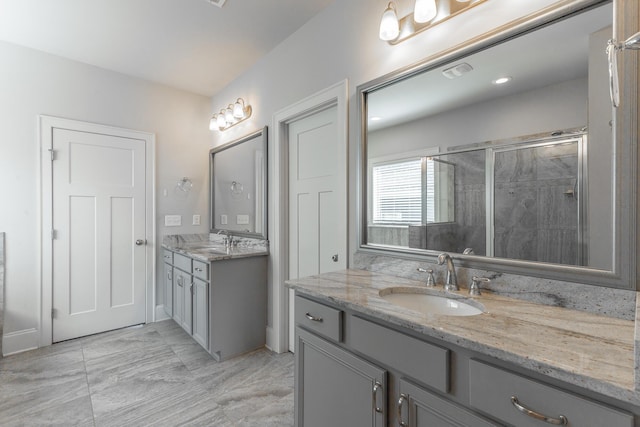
pixel 397 192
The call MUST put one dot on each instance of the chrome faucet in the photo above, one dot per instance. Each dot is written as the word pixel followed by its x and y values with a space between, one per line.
pixel 452 281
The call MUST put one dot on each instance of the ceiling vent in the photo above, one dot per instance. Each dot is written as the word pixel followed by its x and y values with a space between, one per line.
pixel 457 70
pixel 218 3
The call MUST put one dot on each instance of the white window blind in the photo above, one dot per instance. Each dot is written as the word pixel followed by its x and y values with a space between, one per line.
pixel 397 192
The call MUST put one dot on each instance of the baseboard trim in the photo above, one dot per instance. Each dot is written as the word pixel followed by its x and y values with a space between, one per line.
pixel 161 314
pixel 20 341
pixel 269 343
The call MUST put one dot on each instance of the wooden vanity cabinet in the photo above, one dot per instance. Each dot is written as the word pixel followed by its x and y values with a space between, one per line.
pixel 349 358
pixel 167 282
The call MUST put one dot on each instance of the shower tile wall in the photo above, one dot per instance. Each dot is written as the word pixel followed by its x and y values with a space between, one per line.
pixel 536 204
pixel 469 228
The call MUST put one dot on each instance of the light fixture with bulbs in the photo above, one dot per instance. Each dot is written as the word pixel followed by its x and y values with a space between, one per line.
pixel 230 116
pixel 426 13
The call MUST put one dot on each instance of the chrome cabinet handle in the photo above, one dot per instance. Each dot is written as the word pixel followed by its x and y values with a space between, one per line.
pixel 169 276
pixel 198 269
pixel 139 242
pixel 403 398
pixel 180 281
pixel 376 387
pixel 313 318
pixel 560 421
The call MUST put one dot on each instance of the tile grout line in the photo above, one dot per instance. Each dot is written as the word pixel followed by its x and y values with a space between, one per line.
pixel 86 376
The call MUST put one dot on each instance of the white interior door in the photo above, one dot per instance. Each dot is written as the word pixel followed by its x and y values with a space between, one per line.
pixel 99 223
pixel 317 199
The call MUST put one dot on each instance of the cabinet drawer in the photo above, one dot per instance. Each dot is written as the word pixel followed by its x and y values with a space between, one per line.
pixel 167 256
pixel 182 262
pixel 491 390
pixel 425 362
pixel 319 318
pixel 201 270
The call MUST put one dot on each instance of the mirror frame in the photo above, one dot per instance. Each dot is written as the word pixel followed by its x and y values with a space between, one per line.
pixel 263 134
pixel 626 209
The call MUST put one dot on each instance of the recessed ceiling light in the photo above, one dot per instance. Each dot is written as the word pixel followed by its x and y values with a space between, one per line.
pixel 375 118
pixel 218 3
pixel 502 80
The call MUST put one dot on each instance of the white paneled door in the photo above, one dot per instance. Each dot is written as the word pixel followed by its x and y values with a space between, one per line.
pixel 317 198
pixel 99 238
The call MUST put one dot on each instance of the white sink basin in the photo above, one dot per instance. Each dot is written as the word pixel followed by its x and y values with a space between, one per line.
pixel 416 300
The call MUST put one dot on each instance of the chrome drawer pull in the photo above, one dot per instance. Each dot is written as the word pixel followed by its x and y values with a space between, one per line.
pixel 315 319
pixel 403 398
pixel 560 421
pixel 376 387
pixel 198 269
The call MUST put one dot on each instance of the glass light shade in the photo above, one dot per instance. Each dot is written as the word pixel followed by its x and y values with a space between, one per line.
pixel 213 123
pixel 389 26
pixel 425 10
pixel 228 115
pixel 238 109
pixel 222 123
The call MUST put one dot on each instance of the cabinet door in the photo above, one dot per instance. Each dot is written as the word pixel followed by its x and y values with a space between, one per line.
pixel 416 407
pixel 336 388
pixel 182 299
pixel 200 314
pixel 168 289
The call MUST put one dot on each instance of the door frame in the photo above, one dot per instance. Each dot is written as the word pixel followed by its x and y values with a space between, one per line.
pixel 46 125
pixel 335 95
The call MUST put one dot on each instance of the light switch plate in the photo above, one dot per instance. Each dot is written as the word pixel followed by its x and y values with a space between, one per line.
pixel 196 220
pixel 172 220
pixel 223 220
pixel 242 219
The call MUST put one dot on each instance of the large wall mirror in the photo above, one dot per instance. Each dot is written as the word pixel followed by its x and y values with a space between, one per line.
pixel 507 152
pixel 238 174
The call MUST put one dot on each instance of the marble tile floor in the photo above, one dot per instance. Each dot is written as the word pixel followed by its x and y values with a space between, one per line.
pixel 151 375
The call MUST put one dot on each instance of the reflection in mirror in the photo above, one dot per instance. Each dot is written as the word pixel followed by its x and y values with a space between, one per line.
pixel 238 173
pixel 487 154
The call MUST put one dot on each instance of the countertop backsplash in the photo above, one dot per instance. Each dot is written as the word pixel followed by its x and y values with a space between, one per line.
pixel 612 302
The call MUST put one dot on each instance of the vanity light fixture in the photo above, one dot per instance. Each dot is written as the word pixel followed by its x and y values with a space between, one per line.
pixel 230 116
pixel 426 13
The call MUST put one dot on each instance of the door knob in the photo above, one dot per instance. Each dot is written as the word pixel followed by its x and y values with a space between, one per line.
pixel 139 242
pixel 335 258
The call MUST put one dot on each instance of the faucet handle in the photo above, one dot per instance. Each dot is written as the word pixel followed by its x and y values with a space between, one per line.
pixel 474 287
pixel 431 282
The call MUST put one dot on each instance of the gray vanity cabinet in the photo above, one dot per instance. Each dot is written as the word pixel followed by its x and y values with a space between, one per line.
pixel 182 299
pixel 167 282
pixel 200 312
pixel 348 366
pixel 336 388
pixel 417 407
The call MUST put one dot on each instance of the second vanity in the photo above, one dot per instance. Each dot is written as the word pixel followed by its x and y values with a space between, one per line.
pixel 361 360
pixel 217 293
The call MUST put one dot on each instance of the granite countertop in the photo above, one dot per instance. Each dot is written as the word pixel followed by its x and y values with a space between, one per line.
pixel 208 248
pixel 591 351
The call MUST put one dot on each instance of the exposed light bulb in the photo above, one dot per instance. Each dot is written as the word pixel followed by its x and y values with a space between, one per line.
pixel 228 115
pixel 238 109
pixel 213 123
pixel 424 11
pixel 389 26
pixel 222 123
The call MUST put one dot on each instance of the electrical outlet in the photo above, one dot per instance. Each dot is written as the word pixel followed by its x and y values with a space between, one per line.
pixel 196 220
pixel 242 219
pixel 223 220
pixel 172 220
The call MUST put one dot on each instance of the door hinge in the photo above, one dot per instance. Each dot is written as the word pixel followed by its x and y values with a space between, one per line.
pixel 54 234
pixel 53 154
pixel 53 313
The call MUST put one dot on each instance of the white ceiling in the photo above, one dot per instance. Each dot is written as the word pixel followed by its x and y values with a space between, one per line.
pixel 188 44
